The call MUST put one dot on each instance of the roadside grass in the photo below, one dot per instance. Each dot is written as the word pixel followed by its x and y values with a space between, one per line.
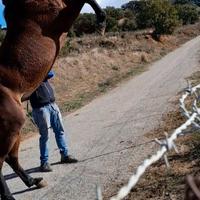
pixel 160 183
pixel 103 86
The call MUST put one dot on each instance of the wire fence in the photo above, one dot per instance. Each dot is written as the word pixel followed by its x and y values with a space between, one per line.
pixel 193 118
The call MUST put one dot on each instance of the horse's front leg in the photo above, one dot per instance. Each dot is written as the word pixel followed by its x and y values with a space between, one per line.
pixel 101 16
pixel 4 190
pixel 70 13
pixel 12 160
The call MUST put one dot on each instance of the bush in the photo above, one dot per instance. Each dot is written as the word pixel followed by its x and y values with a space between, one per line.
pixel 111 24
pixel 134 6
pixel 128 22
pixel 188 14
pixel 86 23
pixel 115 13
pixel 194 2
pixel 143 17
pixel 120 20
pixel 160 14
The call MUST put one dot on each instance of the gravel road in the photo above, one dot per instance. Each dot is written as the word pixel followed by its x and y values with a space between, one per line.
pixel 100 133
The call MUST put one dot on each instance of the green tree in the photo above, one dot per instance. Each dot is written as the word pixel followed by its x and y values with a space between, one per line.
pixel 111 24
pixel 86 23
pixel 128 22
pixel 192 2
pixel 160 14
pixel 188 13
pixel 134 6
pixel 116 13
pixel 113 15
pixel 120 19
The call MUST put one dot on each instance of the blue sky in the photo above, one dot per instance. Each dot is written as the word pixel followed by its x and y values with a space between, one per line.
pixel 103 3
pixel 2 22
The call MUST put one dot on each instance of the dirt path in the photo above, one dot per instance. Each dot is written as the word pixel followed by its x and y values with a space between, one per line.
pixel 100 132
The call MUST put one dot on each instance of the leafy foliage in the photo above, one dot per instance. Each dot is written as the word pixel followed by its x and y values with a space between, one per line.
pixel 160 14
pixel 187 13
pixel 194 2
pixel 86 23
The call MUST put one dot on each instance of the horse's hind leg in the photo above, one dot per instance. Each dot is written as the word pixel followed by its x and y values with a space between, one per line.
pixel 11 121
pixel 4 190
pixel 6 144
pixel 101 15
pixel 12 160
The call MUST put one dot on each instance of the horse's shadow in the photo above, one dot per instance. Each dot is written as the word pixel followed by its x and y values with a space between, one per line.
pixel 29 171
pixel 14 175
pixel 26 190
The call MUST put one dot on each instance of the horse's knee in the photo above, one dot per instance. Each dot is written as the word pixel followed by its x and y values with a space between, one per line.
pixel 12 161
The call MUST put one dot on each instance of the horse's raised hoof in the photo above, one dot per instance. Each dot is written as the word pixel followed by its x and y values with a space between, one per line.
pixel 40 182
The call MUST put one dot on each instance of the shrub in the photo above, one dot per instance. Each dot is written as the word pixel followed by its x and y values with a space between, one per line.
pixel 111 24
pixel 187 13
pixel 115 13
pixel 194 2
pixel 160 14
pixel 86 23
pixel 128 22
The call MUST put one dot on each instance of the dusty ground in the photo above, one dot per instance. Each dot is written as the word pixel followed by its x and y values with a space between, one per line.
pixel 107 134
pixel 91 65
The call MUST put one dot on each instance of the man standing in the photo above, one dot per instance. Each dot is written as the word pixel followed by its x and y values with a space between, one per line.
pixel 46 115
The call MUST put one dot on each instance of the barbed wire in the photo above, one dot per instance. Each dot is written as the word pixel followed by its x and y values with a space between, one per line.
pixel 166 144
pixel 189 91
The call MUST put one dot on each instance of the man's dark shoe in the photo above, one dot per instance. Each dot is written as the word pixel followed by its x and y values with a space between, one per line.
pixel 46 167
pixel 68 159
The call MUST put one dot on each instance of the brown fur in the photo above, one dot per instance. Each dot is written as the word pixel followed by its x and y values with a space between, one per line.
pixel 32 43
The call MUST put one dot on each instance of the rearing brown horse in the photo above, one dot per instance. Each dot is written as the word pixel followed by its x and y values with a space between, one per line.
pixel 31 45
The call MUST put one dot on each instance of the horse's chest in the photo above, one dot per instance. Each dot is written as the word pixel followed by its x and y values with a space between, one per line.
pixel 37 52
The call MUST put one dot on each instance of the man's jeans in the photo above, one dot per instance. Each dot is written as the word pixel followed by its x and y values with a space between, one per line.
pixel 48 117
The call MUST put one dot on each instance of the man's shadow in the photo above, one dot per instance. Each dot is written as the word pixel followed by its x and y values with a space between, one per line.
pixel 14 175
